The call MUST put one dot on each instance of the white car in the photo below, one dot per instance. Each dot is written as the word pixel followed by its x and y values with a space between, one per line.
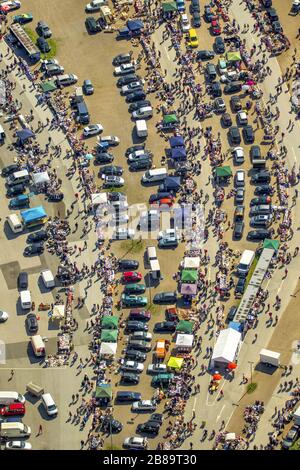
pixel 143 405
pixel 156 368
pixel 11 5
pixel 138 84
pixel 124 69
pixel 113 181
pixel 3 316
pixel 136 153
pixel 140 443
pixel 143 113
pixel 185 24
pixel 18 445
pixel 47 62
pixel 124 233
pixel 110 140
pixel 95 5
pixel 229 77
pixel 242 118
pixel 133 366
pixel 238 155
pixel 240 178
pixel 92 129
pixel 166 234
pixel 67 79
pixel 141 335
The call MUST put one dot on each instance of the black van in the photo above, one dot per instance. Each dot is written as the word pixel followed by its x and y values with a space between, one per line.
pixel 259 163
pixel 211 72
pixel 128 396
pixel 92 25
pixel 83 113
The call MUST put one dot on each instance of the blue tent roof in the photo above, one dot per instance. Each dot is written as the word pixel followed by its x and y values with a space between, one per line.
pixel 176 141
pixel 235 325
pixel 178 153
pixel 32 214
pixel 134 25
pixel 25 134
pixel 173 180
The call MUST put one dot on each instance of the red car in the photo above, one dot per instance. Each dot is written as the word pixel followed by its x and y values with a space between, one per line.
pixel 216 28
pixel 131 276
pixel 15 409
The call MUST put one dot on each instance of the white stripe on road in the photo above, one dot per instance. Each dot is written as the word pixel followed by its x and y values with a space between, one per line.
pixel 219 415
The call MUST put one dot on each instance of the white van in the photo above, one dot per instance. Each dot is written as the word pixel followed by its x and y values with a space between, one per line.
pixel 38 345
pixel 151 176
pixel 10 430
pixel 8 398
pixel 48 278
pixel 18 177
pixel 15 223
pixel 141 128
pixel 49 404
pixel 25 298
pixel 245 262
pixel 151 253
pixel 2 135
pixel 95 5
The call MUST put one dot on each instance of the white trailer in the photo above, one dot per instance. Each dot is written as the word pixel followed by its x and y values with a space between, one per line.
pixel 141 128
pixel 270 358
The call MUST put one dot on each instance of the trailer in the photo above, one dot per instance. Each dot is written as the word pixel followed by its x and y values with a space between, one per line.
pixel 24 40
pixel 269 358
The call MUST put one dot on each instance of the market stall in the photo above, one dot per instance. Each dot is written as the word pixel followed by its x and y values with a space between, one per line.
pixel 189 275
pixel 40 178
pixel 175 362
pixel 109 336
pixel 226 348
pixel 108 349
pixel 191 262
pixel 58 312
pixel 188 289
pixel 184 342
pixel 185 326
pixel 103 394
pixel 109 322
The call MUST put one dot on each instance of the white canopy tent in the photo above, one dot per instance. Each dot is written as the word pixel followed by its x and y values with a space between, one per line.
pixel 40 178
pixel 58 312
pixel 184 341
pixel 191 262
pixel 99 198
pixel 227 346
pixel 108 349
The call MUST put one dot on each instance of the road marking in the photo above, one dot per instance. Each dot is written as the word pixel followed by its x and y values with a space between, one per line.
pixel 219 415
pixel 279 288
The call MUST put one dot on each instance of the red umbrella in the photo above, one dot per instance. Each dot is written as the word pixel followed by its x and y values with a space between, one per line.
pixel 4 8
pixel 217 377
pixel 232 365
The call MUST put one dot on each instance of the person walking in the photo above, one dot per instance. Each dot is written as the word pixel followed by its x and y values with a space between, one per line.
pixel 40 431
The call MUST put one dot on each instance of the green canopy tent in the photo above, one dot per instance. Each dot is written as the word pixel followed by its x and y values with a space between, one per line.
pixel 103 391
pixel 223 171
pixel 273 244
pixel 189 275
pixel 170 119
pixel 110 322
pixel 48 86
pixel 109 336
pixel 169 7
pixel 185 326
pixel 233 56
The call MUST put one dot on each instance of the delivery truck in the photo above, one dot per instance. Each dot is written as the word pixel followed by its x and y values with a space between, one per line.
pixel 141 128
pixel 269 358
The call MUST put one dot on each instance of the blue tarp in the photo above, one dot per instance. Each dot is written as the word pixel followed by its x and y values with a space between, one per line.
pixel 135 25
pixel 176 141
pixel 172 182
pixel 35 213
pixel 178 153
pixel 25 134
pixel 124 32
pixel 235 325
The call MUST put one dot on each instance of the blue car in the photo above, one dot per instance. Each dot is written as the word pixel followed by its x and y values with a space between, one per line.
pixel 180 6
pixel 19 201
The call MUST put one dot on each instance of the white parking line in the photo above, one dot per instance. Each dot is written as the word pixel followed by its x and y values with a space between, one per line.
pixel 279 288
pixel 219 415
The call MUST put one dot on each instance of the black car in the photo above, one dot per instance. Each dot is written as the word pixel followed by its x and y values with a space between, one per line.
pixel 122 59
pixel 205 55
pixel 124 396
pixel 43 45
pixel 165 326
pixel 260 234
pixel 135 355
pixel 117 196
pixel 238 229
pixel 143 164
pixel 128 264
pixel 240 287
pixel 261 177
pixel 208 13
pixel 23 280
pixel 219 45
pixel 165 297
pixel 15 190
pixel 291 437
pixel 91 25
pixel 156 418
pixel 10 169
pixel 266 3
pixel 232 87
pixel 110 425
pixel 104 157
pixel 235 103
pixel 151 428
pixel 130 378
pixel 134 107
pixel 248 134
pixel 39 236
pixel 219 105
pixel 231 313
pixel 255 152
pixel 263 189
pixel 158 196
pixel 260 200
pixel 111 170
pixel 195 6
pixel 32 323
pixel 196 19
pixel 36 249
pixel 276 26
pixel 134 325
pixel 234 135
pixel 216 90
pixel 272 14
pixel 136 96
pixel 226 120
pixel 127 79
pixel 43 30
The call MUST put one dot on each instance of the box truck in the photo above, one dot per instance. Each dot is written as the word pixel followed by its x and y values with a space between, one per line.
pixel 270 358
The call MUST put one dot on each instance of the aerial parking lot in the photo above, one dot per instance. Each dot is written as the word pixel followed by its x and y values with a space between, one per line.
pixel 149 226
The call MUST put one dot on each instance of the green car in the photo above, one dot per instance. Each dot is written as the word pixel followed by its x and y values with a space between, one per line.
pixel 22 19
pixel 133 300
pixel 135 289
pixel 161 380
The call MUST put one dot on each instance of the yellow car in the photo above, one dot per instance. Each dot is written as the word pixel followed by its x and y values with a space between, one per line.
pixel 193 39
